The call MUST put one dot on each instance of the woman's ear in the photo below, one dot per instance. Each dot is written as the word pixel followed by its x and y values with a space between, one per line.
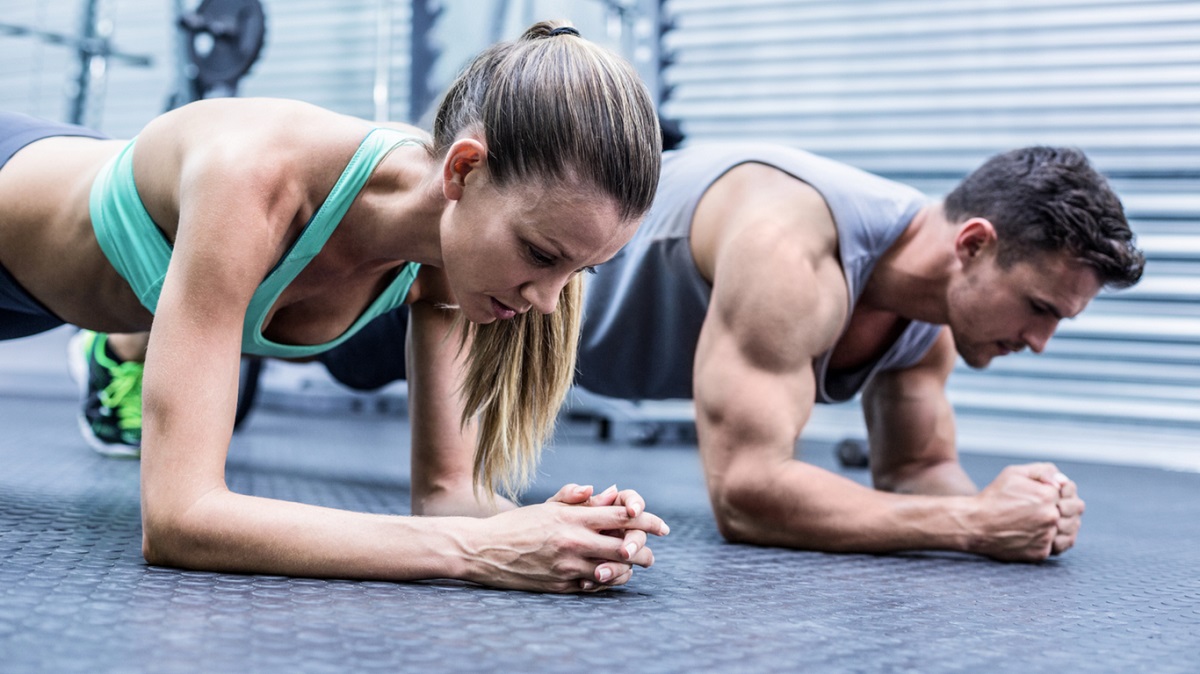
pixel 465 156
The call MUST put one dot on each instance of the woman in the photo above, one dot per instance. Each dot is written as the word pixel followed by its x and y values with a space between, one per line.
pixel 278 228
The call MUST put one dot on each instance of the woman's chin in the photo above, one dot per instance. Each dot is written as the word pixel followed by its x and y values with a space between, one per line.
pixel 480 317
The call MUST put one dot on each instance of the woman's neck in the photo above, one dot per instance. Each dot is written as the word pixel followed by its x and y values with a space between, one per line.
pixel 406 209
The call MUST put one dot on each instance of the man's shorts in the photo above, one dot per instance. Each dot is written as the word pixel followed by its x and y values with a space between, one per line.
pixel 20 313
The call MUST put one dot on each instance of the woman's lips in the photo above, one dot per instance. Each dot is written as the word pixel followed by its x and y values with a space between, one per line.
pixel 501 310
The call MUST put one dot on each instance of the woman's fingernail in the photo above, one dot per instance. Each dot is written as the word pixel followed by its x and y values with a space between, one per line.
pixel 665 529
pixel 604 574
pixel 586 585
pixel 611 489
pixel 582 489
pixel 1060 478
pixel 631 549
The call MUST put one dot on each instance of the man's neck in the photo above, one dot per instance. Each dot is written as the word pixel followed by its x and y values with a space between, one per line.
pixel 911 278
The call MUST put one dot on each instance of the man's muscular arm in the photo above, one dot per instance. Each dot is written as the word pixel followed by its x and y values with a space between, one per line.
pixel 775 306
pixel 910 426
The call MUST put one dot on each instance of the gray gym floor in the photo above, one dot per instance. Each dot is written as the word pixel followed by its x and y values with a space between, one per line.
pixel 75 594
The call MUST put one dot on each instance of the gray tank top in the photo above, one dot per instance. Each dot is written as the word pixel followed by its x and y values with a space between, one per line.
pixel 644 308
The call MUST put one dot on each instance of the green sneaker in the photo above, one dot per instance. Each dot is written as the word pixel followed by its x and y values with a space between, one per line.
pixel 111 391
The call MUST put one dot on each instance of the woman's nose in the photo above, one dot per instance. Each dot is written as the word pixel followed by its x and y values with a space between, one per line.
pixel 543 295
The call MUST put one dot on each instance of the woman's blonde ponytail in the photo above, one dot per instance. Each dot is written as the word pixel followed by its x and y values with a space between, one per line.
pixel 518 373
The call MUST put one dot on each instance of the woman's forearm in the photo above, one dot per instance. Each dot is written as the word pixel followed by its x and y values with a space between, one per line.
pixel 548 547
pixel 229 532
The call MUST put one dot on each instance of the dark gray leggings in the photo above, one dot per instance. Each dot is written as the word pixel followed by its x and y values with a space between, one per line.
pixel 374 356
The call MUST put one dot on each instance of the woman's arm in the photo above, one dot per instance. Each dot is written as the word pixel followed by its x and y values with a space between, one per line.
pixel 192 520
pixel 442 448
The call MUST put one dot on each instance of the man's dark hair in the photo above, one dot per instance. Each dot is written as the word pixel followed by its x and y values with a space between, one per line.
pixel 1050 199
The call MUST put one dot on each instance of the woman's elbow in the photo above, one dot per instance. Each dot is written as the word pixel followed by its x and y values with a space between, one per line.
pixel 170 533
pixel 160 535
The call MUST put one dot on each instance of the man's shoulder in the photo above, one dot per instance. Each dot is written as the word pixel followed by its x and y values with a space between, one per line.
pixel 755 205
pixel 780 290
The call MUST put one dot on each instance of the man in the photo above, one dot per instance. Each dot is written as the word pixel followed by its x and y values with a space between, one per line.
pixel 766 279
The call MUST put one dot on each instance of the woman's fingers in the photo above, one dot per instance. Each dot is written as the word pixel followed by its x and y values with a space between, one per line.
pixel 617 517
pixel 604 498
pixel 560 547
pixel 634 503
pixel 615 574
pixel 626 551
pixel 613 510
pixel 572 494
pixel 610 539
pixel 632 541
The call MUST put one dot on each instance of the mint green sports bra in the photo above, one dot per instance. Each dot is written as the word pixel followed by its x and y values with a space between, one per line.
pixel 140 251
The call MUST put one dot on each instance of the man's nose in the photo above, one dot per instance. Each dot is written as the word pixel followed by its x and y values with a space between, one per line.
pixel 1039 335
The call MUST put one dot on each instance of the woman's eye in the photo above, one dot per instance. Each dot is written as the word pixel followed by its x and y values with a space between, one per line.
pixel 540 258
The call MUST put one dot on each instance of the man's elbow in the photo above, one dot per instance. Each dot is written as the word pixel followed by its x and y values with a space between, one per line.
pixel 754 511
pixel 935 477
pixel 738 512
pixel 889 480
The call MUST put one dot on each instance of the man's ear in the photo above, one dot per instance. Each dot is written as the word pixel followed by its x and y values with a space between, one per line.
pixel 976 237
pixel 464 157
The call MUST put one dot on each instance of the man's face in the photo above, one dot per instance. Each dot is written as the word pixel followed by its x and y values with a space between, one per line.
pixel 995 311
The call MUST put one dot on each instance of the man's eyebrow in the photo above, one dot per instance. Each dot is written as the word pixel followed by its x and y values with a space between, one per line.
pixel 1050 306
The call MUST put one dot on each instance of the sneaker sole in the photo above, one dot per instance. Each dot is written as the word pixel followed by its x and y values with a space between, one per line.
pixel 77 365
pixel 113 450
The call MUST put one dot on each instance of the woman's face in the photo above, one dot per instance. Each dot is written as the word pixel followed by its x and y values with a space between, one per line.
pixel 510 250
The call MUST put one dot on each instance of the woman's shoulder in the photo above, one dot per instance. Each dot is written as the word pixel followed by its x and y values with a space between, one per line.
pixel 255 123
pixel 254 111
pixel 253 136
pixel 407 129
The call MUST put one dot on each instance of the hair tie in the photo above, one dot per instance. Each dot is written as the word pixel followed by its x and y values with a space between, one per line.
pixel 563 30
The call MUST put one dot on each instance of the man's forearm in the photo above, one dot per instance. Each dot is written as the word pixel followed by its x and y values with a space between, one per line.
pixel 801 506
